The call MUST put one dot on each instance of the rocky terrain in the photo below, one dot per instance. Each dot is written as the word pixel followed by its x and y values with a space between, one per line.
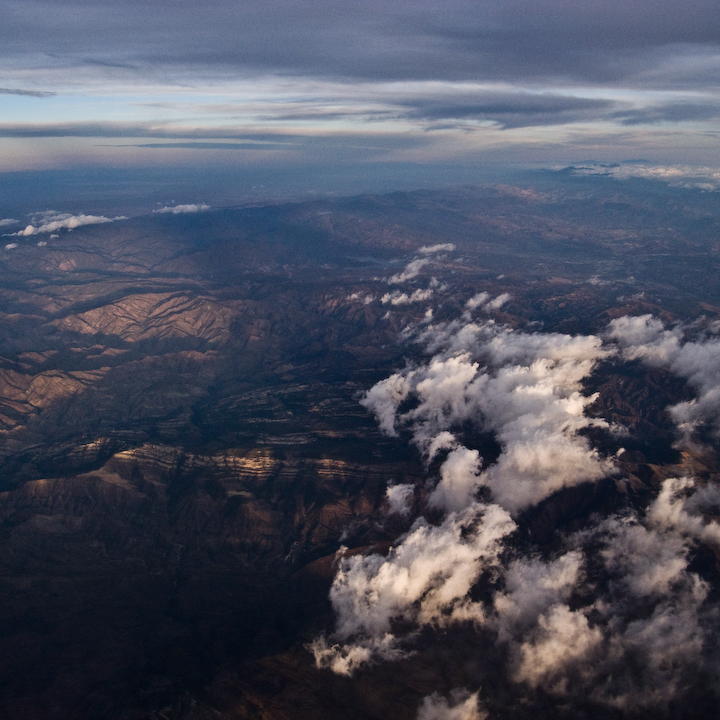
pixel 183 449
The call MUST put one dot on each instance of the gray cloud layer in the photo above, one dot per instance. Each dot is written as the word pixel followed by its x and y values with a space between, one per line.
pixel 610 41
pixel 131 130
pixel 27 93
pixel 510 110
pixel 425 82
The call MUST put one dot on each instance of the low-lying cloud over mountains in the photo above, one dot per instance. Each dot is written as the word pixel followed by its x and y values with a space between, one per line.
pixel 617 615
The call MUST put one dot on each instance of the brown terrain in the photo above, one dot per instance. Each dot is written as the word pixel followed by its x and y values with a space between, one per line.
pixel 183 451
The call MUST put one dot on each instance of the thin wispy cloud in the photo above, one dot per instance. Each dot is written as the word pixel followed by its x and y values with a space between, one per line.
pixel 688 176
pixel 135 130
pixel 26 93
pixel 206 146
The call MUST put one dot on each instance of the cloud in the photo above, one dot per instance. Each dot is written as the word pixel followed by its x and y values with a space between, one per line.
pixel 615 614
pixel 527 392
pixel 398 298
pixel 482 300
pixel 425 579
pixel 649 566
pixel 645 338
pixel 384 399
pixel 643 608
pixel 703 178
pixel 412 270
pixel 146 130
pixel 441 247
pixel 459 480
pixel 399 499
pixel 208 145
pixel 668 113
pixel 673 511
pixel 8 221
pixel 532 587
pixel 182 209
pixel 498 302
pixel 26 93
pixel 379 75
pixel 510 109
pixel 562 641
pixel 652 612
pixel 49 222
pixel 461 706
pixel 503 40
pixel 670 642
pixel 477 301
pixel 365 298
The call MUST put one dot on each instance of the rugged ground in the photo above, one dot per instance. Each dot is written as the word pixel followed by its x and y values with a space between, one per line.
pixel 183 449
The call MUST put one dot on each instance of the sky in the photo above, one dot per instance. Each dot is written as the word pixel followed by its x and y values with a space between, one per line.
pixel 397 88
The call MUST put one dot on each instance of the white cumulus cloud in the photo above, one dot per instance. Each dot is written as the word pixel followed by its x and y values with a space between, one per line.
pixel 425 579
pixel 181 209
pixel 440 247
pixel 619 593
pixel 412 270
pixel 498 302
pixel 50 222
pixel 477 301
pixel 398 298
pixel 526 388
pixel 399 499
pixel 460 706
